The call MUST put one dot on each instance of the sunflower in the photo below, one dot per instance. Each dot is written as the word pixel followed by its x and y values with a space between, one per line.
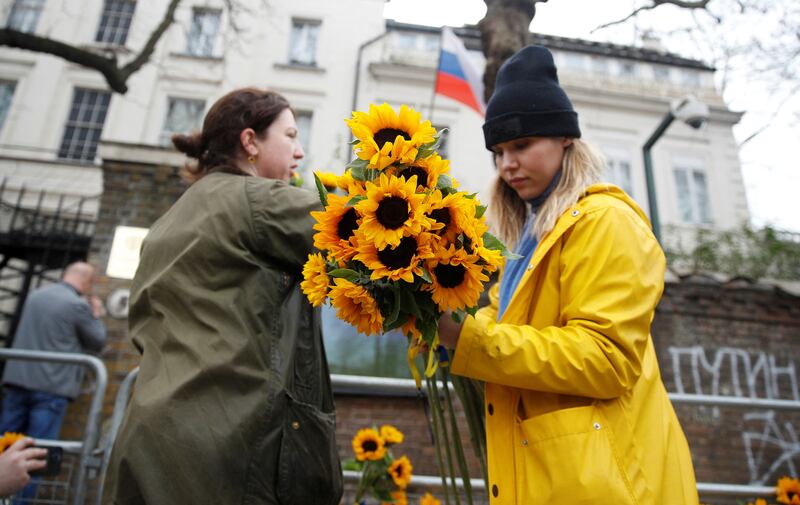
pixel 355 305
pixel 348 183
pixel 400 470
pixel 455 213
pixel 368 445
pixel 391 435
pixel 328 179
pixel 392 210
pixel 398 498
pixel 428 499
pixel 395 263
pixel 427 170
pixel 491 258
pixel 8 439
pixel 788 491
pixel 457 278
pixel 410 330
pixel 335 226
pixel 386 137
pixel 316 282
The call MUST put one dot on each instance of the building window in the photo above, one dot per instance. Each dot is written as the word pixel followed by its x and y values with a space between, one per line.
pixel 599 65
pixel 627 69
pixel 574 61
pixel 692 189
pixel 353 353
pixel 25 15
pixel 618 171
pixel 661 73
pixel 690 78
pixel 85 124
pixel 115 21
pixel 183 116
pixel 303 119
pixel 6 94
pixel 203 33
pixel 303 44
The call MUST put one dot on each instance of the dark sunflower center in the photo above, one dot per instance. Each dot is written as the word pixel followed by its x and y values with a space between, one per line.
pixel 422 175
pixel 400 256
pixel 398 471
pixel 347 224
pixel 388 135
pixel 369 446
pixel 450 276
pixel 392 212
pixel 441 216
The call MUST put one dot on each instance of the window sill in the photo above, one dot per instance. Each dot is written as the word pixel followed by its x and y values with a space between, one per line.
pixel 187 56
pixel 300 66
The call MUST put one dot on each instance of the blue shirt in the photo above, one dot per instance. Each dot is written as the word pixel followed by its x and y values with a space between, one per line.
pixel 515 268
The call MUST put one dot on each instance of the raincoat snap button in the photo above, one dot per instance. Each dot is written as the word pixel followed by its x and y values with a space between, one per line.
pixel 490 408
pixel 525 443
pixel 596 425
pixel 295 425
pixel 495 492
pixel 530 267
pixel 575 213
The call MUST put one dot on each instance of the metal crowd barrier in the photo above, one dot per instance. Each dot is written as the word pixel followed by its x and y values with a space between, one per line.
pixel 383 385
pixel 91 434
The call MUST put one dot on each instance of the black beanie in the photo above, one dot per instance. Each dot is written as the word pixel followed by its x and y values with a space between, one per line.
pixel 528 100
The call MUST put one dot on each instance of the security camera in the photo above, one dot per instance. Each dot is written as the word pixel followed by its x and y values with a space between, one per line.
pixel 690 110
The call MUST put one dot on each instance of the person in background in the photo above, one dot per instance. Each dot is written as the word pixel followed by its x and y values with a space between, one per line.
pixel 17 462
pixel 576 411
pixel 60 317
pixel 233 403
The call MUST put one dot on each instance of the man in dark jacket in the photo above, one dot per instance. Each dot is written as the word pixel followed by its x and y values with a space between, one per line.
pixel 61 317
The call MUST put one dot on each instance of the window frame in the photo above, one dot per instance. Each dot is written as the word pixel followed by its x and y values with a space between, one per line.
pixel 697 195
pixel 296 23
pixel 209 48
pixel 164 136
pixel 87 147
pixel 115 33
pixel 25 10
pixel 5 112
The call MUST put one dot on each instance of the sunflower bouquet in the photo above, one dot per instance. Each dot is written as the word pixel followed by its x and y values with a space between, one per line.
pixel 383 476
pixel 402 245
pixel 8 439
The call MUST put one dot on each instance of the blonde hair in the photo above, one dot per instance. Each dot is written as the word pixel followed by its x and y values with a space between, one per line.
pixel 580 168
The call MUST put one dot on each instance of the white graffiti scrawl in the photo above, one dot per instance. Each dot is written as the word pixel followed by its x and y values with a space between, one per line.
pixel 736 372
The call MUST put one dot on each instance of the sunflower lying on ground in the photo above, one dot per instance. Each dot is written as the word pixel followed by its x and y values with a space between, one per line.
pixel 787 492
pixel 403 246
pixel 383 476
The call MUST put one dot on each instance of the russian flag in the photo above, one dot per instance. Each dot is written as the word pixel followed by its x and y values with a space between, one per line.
pixel 457 76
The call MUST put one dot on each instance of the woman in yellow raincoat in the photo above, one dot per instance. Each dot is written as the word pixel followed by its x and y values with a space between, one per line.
pixel 576 412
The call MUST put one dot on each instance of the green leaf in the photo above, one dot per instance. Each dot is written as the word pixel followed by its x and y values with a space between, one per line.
pixel 471 196
pixel 353 201
pixel 472 310
pixel 323 192
pixel 444 182
pixel 409 303
pixel 479 211
pixel 457 316
pixel 426 276
pixel 492 242
pixel 354 142
pixel 358 163
pixel 344 273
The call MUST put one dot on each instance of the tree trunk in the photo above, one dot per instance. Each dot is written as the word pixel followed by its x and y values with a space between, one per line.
pixel 504 31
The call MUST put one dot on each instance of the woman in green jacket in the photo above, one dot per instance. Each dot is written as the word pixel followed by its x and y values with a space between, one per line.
pixel 576 412
pixel 233 403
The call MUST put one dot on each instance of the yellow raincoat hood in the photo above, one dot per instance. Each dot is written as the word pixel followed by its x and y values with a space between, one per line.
pixel 576 412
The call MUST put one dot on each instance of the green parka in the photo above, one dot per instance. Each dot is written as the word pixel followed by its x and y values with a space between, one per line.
pixel 233 403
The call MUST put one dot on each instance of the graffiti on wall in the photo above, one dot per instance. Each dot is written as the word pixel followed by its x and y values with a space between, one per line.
pixel 736 372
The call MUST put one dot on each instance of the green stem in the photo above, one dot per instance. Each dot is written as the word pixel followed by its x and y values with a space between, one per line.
pixel 472 400
pixel 437 440
pixel 448 453
pixel 462 463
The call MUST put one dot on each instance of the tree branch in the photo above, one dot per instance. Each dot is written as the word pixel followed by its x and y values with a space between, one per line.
pixel 698 4
pixel 115 76
pixel 150 45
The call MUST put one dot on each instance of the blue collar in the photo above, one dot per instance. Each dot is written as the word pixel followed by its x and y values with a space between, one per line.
pixel 537 202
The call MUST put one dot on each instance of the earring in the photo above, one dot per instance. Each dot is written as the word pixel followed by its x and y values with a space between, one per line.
pixel 251 159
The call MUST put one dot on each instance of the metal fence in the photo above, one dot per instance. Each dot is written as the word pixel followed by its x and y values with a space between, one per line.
pixel 80 458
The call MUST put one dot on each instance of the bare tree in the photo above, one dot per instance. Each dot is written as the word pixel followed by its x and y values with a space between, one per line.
pixel 116 75
pixel 754 41
pixel 504 30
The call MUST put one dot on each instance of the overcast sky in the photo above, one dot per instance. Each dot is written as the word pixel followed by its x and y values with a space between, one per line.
pixel 771 171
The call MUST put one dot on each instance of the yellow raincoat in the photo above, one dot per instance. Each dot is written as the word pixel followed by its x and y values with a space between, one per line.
pixel 576 412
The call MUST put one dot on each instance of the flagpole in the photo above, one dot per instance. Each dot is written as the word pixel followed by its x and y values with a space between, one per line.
pixel 436 75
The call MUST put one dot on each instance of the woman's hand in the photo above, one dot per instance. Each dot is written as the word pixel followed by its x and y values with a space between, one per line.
pixel 449 331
